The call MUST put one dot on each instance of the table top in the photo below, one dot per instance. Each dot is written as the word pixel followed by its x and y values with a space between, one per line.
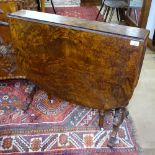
pixel 76 23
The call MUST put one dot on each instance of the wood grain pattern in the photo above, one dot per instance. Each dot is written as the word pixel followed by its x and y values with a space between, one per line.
pixel 7 60
pixel 6 7
pixel 70 22
pixel 10 6
pixel 95 69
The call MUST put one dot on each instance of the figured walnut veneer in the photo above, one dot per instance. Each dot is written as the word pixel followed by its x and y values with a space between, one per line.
pixel 85 62
pixel 89 63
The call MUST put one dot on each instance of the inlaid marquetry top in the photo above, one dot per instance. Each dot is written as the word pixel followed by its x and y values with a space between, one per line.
pixel 75 23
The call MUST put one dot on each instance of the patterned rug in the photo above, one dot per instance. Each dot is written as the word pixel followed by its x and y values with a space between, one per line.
pixel 79 12
pixel 55 127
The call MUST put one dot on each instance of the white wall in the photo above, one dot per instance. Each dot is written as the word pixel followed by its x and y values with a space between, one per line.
pixel 151 20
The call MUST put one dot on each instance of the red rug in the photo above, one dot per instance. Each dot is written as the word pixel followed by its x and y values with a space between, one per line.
pixel 79 12
pixel 55 127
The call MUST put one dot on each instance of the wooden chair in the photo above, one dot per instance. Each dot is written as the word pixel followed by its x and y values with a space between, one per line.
pixel 134 7
pixel 111 6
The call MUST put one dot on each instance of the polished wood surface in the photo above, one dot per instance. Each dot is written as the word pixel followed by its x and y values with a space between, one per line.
pixel 90 63
pixel 6 7
pixel 144 13
pixel 10 6
pixel 81 24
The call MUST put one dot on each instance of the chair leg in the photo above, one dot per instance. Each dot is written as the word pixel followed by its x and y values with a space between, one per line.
pixel 136 16
pixel 100 10
pixel 53 7
pixel 122 14
pixel 107 12
pixel 111 14
pixel 117 12
pixel 38 3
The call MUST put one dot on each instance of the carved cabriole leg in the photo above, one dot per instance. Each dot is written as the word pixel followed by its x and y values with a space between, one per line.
pixel 31 90
pixel 101 118
pixel 119 116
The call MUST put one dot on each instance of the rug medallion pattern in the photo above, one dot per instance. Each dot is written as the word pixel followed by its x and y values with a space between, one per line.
pixel 54 125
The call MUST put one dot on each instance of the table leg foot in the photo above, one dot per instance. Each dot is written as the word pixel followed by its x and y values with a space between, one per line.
pixel 101 118
pixel 31 90
pixel 120 114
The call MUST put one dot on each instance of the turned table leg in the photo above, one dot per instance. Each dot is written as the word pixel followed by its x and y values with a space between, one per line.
pixel 119 116
pixel 31 90
pixel 101 118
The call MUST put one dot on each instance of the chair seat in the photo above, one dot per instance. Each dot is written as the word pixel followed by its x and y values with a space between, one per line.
pixel 116 3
